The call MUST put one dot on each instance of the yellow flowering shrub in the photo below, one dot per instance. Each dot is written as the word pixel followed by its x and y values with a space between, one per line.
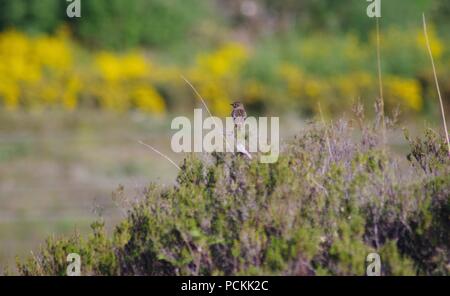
pixel 17 60
pixel 216 76
pixel 293 77
pixel 9 91
pixel 33 70
pixel 436 45
pixel 124 83
pixel 69 97
pixel 51 72
pixel 39 72
pixel 147 99
pixel 309 89
pixel 253 91
pixel 404 91
pixel 53 53
pixel 224 62
pixel 115 68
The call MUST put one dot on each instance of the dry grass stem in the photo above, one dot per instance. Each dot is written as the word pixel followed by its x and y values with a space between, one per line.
pixel 160 153
pixel 326 131
pixel 437 82
pixel 380 82
pixel 206 107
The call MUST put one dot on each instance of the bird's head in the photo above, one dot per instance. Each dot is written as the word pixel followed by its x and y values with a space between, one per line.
pixel 237 105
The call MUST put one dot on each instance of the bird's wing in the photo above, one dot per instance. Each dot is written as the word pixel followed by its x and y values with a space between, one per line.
pixel 239 113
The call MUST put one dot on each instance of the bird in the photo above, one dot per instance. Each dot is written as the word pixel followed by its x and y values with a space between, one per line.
pixel 238 114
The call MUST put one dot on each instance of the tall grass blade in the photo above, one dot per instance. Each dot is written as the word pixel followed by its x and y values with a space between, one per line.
pixel 437 82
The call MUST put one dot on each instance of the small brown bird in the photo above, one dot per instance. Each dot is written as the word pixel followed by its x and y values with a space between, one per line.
pixel 239 115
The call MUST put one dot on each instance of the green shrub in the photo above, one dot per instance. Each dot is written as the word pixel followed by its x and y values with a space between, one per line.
pixel 123 24
pixel 315 211
pixel 114 24
pixel 32 16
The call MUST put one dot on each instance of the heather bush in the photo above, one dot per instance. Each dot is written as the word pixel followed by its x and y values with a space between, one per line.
pixel 336 194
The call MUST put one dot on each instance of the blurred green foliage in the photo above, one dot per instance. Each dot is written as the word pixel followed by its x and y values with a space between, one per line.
pixel 109 23
pixel 296 52
pixel 119 24
pixel 122 24
pixel 31 16
pixel 339 16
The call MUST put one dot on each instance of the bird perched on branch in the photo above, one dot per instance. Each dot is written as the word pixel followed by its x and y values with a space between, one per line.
pixel 239 115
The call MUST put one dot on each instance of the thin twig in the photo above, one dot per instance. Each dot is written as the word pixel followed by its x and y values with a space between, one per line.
pixel 436 80
pixel 326 131
pixel 380 85
pixel 207 109
pixel 165 156
pixel 317 184
pixel 197 93
pixel 380 82
pixel 36 259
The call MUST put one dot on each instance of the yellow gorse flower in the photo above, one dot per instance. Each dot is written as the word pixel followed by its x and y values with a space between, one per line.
pixel 435 43
pixel 10 93
pixel 44 72
pixel 125 83
pixel 39 72
pixel 53 53
pixel 114 68
pixel 223 62
pixel 405 91
pixel 215 75
pixel 293 77
pixel 147 99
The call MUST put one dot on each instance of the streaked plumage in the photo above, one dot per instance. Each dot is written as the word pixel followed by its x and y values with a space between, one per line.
pixel 239 115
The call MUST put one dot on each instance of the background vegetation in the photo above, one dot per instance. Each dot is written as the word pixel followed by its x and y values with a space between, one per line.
pixel 130 55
